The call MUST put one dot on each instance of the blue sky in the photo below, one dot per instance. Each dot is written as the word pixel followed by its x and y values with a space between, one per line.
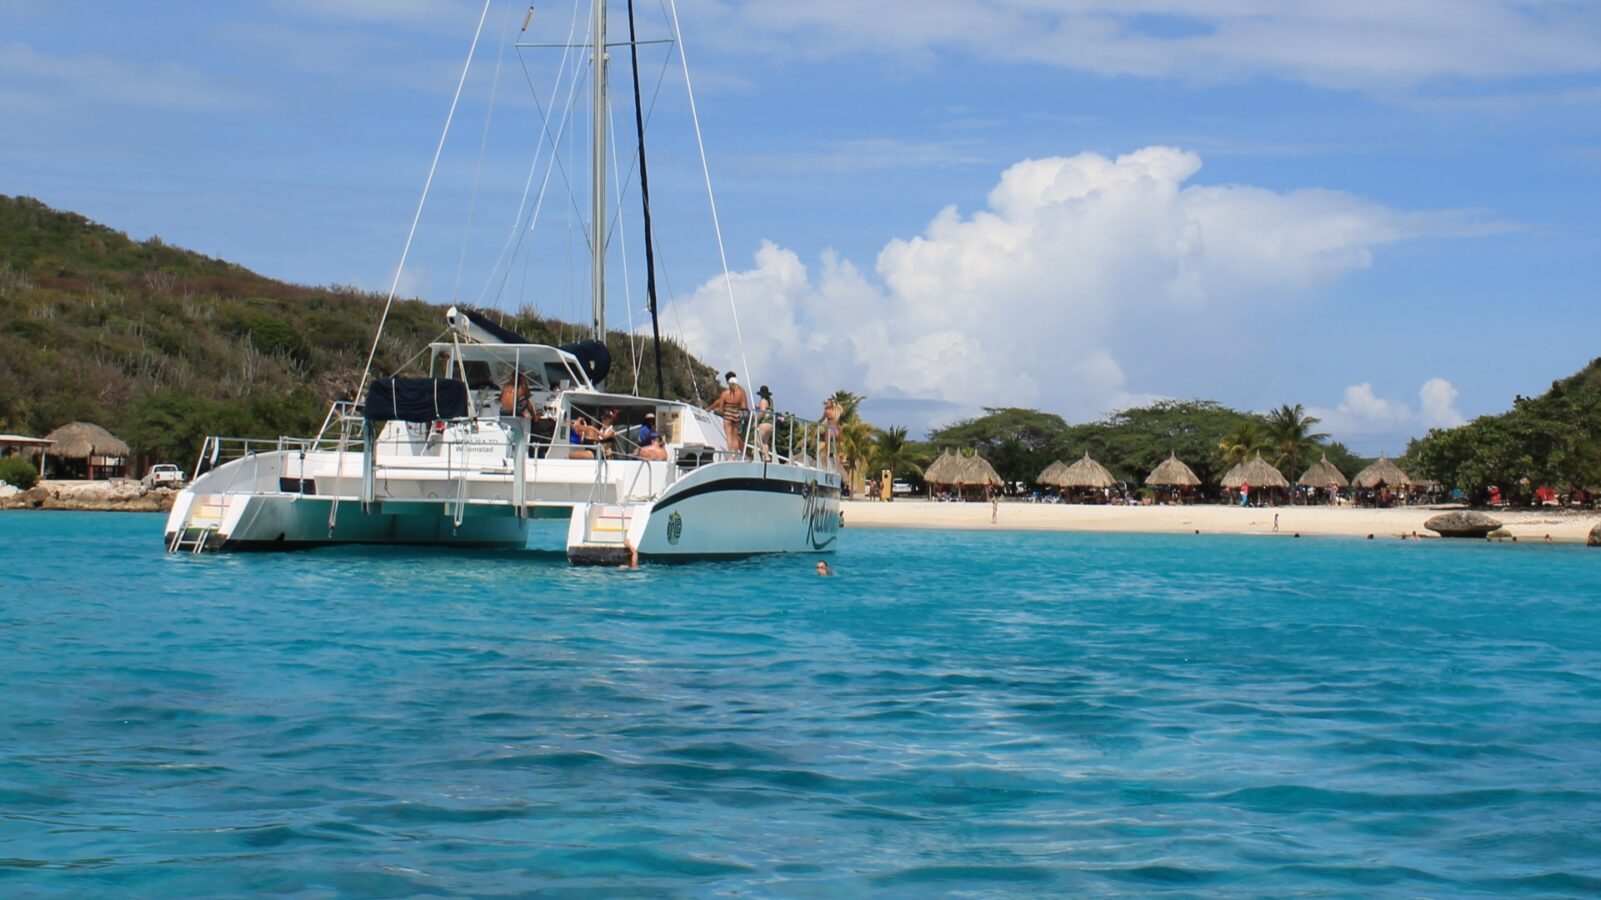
pixel 1387 214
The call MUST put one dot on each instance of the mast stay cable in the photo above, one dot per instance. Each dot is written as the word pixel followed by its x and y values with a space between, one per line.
pixel 711 198
pixel 422 201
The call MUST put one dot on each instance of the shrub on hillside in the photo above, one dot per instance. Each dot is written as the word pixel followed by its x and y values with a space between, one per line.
pixel 18 472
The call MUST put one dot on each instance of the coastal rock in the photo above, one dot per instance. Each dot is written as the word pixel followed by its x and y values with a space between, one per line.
pixel 1595 536
pixel 1463 523
pixel 7 491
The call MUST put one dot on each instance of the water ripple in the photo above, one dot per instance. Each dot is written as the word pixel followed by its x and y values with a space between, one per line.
pixel 955 713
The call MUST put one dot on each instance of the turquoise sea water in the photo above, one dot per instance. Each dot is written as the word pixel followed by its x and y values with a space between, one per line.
pixel 993 713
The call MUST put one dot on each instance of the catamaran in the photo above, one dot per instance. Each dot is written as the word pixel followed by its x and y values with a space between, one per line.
pixel 499 432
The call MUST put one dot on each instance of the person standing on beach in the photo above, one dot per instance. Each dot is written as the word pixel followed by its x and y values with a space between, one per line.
pixel 1245 494
pixel 995 509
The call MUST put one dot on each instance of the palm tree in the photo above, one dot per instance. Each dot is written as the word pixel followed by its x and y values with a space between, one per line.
pixel 1290 437
pixel 855 446
pixel 1240 444
pixel 855 435
pixel 892 451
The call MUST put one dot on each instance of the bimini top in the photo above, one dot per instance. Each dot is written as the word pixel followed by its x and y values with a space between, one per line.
pixel 544 367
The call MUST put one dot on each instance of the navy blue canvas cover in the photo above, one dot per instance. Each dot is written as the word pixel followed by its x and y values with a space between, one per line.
pixel 593 356
pixel 416 399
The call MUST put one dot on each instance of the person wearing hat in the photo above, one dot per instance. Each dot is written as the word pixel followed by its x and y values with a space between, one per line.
pixel 764 423
pixel 650 441
pixel 734 406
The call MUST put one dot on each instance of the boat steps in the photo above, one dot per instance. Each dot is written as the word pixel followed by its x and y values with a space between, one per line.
pixel 196 534
pixel 605 540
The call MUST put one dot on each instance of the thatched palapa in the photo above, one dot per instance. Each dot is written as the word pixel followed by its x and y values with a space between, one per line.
pixel 83 440
pixel 976 471
pixel 940 470
pixel 1382 474
pixel 1323 474
pixel 1086 473
pixel 99 451
pixel 1172 473
pixel 1053 474
pixel 1257 473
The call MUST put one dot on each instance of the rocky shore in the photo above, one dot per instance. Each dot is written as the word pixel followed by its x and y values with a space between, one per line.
pixel 95 496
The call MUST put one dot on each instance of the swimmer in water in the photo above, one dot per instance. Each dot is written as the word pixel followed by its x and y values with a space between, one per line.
pixel 823 569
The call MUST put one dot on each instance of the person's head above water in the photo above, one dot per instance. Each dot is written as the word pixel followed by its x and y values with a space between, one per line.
pixel 823 569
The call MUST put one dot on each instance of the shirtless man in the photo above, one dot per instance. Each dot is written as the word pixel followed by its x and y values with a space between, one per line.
pixel 832 413
pixel 733 405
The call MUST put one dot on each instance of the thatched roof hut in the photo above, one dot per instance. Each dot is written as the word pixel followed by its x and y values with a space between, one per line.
pixel 940 470
pixel 1382 474
pixel 976 471
pixel 1172 473
pixel 1086 473
pixel 1258 473
pixel 86 440
pixel 1323 474
pixel 86 448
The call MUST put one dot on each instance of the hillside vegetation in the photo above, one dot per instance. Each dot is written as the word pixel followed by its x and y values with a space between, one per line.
pixel 1553 440
pixel 162 345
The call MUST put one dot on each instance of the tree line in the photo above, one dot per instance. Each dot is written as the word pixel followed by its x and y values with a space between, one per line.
pixel 1020 443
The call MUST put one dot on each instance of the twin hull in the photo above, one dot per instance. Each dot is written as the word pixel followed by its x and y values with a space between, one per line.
pixel 287 500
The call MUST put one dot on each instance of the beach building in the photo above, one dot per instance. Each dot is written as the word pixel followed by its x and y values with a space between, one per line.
pixel 85 450
pixel 24 447
pixel 1085 481
pixel 1174 480
pixel 1266 484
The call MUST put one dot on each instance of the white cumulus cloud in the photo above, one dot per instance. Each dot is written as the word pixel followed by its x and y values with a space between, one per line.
pixel 1370 422
pixel 1076 268
pixel 1438 399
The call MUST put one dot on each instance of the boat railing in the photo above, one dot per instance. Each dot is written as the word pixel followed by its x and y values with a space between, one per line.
pixel 219 449
pixel 791 439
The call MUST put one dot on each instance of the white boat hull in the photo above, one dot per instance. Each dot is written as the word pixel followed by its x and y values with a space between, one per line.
pixel 724 509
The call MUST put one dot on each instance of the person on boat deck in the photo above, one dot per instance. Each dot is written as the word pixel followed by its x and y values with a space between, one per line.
pixel 606 432
pixel 581 435
pixel 764 423
pixel 650 440
pixel 515 399
pixel 832 414
pixel 734 406
pixel 541 431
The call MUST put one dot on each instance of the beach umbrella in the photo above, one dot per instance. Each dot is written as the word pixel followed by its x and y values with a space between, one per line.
pixel 1086 473
pixel 1258 473
pixel 1172 473
pixel 1322 474
pixel 1382 473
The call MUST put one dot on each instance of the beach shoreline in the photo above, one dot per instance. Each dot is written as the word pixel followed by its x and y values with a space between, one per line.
pixel 1563 527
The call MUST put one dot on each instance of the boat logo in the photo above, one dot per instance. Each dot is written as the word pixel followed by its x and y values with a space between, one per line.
pixel 675 528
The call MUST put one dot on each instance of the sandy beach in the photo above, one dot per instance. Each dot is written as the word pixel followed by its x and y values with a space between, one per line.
pixel 1310 521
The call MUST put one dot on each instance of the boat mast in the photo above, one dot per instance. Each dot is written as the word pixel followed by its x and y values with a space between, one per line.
pixel 598 237
pixel 644 202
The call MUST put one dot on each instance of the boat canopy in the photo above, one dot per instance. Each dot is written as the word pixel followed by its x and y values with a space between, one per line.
pixel 544 367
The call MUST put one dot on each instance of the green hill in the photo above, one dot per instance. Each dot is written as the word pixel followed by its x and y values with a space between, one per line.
pixel 1552 440
pixel 162 345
